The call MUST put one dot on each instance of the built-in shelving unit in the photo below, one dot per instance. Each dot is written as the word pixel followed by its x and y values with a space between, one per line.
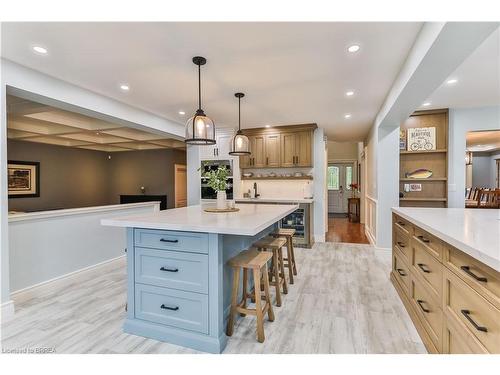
pixel 279 178
pixel 434 192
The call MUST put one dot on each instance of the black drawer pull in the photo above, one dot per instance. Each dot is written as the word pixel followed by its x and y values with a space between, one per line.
pixel 423 239
pixel 401 223
pixel 175 308
pixel 422 267
pixel 401 272
pixel 169 269
pixel 167 240
pixel 400 244
pixel 466 313
pixel 420 302
pixel 467 270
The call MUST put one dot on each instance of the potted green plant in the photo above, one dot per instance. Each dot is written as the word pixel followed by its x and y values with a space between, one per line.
pixel 217 180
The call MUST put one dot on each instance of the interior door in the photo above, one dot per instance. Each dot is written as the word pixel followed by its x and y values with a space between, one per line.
pixel 180 192
pixel 339 177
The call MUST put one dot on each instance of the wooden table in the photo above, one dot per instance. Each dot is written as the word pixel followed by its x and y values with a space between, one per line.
pixel 353 205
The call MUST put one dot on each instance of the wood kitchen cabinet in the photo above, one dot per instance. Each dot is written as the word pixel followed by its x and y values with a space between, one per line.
pixel 284 146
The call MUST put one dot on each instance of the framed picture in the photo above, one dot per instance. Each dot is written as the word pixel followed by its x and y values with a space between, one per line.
pixel 421 139
pixel 24 179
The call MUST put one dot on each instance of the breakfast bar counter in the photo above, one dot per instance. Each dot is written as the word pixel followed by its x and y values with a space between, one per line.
pixel 178 283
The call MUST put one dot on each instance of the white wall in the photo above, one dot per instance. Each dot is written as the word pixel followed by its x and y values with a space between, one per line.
pixel 68 242
pixel 320 206
pixel 461 121
pixel 342 150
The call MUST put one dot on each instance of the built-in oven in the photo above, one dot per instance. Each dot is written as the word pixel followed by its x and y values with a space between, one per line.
pixel 208 165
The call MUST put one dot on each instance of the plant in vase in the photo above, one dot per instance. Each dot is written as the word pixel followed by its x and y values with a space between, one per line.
pixel 217 180
pixel 354 189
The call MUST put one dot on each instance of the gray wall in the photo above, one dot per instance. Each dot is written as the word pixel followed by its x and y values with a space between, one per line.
pixel 481 170
pixel 72 177
pixel 153 169
pixel 69 177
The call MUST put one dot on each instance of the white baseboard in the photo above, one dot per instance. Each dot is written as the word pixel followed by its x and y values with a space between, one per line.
pixel 7 311
pixel 319 238
pixel 64 280
pixel 370 237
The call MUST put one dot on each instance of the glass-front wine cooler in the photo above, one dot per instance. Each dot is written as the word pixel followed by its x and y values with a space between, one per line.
pixel 300 221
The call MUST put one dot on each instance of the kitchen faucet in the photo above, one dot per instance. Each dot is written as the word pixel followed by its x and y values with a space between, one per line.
pixel 255 190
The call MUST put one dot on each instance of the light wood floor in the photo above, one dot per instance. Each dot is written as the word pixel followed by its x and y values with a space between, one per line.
pixel 342 302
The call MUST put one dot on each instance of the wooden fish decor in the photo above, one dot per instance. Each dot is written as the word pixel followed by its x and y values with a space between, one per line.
pixel 419 174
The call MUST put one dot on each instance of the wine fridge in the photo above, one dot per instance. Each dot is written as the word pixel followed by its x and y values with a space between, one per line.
pixel 300 221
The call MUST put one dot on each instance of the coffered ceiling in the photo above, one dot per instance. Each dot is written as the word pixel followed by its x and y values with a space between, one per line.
pixel 483 141
pixel 290 72
pixel 34 122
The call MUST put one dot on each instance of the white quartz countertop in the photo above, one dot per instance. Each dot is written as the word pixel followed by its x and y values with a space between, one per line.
pixel 248 221
pixel 474 231
pixel 275 200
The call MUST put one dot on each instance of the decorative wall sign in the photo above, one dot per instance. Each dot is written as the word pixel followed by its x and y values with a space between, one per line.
pixel 419 174
pixel 413 187
pixel 402 139
pixel 421 139
pixel 23 179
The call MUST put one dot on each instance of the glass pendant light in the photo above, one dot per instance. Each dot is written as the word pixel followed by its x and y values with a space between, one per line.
pixel 240 146
pixel 200 129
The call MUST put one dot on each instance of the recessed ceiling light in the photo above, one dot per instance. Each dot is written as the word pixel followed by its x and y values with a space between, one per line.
pixel 347 115
pixel 353 48
pixel 182 113
pixel 426 104
pixel 268 126
pixel 452 81
pixel 349 93
pixel 124 87
pixel 41 50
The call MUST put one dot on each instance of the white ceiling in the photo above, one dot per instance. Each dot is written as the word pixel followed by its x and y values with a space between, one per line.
pixel 35 122
pixel 290 72
pixel 478 78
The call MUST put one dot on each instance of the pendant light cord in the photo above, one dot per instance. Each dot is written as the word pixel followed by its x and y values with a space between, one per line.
pixel 199 87
pixel 239 113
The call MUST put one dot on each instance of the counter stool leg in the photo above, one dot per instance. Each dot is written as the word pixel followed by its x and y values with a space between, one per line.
pixel 258 307
pixel 289 258
pixel 234 301
pixel 244 295
pixel 270 312
pixel 276 275
pixel 292 250
pixel 282 270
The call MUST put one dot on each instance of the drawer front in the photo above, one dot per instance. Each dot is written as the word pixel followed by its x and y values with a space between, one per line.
pixel 483 279
pixel 172 269
pixel 171 240
pixel 460 341
pixel 402 242
pixel 403 225
pixel 433 244
pixel 172 307
pixel 401 271
pixel 429 269
pixel 475 314
pixel 429 312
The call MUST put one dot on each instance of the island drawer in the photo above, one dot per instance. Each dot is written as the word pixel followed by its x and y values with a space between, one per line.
pixel 402 243
pixel 428 311
pixel 485 280
pixel 475 314
pixel 458 341
pixel 401 271
pixel 191 242
pixel 432 243
pixel 429 269
pixel 403 225
pixel 172 307
pixel 172 269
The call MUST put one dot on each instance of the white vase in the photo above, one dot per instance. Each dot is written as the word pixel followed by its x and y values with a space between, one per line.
pixel 221 200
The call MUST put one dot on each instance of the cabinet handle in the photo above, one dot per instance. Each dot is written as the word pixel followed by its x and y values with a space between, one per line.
pixel 420 302
pixel 467 270
pixel 267 160
pixel 422 267
pixel 401 272
pixel 401 223
pixel 167 240
pixel 169 269
pixel 466 313
pixel 296 160
pixel 400 244
pixel 423 239
pixel 174 308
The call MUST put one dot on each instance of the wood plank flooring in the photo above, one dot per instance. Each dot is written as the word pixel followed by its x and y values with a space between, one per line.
pixel 341 230
pixel 342 302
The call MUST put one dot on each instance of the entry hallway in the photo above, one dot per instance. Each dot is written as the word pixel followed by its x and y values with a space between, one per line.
pixel 342 302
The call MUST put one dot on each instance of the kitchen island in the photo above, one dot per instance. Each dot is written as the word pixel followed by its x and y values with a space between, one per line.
pixel 446 269
pixel 178 284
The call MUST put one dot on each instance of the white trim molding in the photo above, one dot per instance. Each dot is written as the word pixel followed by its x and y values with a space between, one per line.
pixel 7 311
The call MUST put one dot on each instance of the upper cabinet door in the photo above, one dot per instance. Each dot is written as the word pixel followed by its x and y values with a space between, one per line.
pixel 207 152
pixel 272 147
pixel 303 152
pixel 246 161
pixel 222 146
pixel 288 146
pixel 258 145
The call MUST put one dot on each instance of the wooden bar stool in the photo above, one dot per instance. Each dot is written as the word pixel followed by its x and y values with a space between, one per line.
pixel 256 261
pixel 275 245
pixel 290 263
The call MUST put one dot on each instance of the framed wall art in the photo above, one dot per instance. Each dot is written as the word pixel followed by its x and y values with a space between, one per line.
pixel 23 179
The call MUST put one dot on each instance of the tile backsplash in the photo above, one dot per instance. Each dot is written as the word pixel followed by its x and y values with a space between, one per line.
pixel 295 189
